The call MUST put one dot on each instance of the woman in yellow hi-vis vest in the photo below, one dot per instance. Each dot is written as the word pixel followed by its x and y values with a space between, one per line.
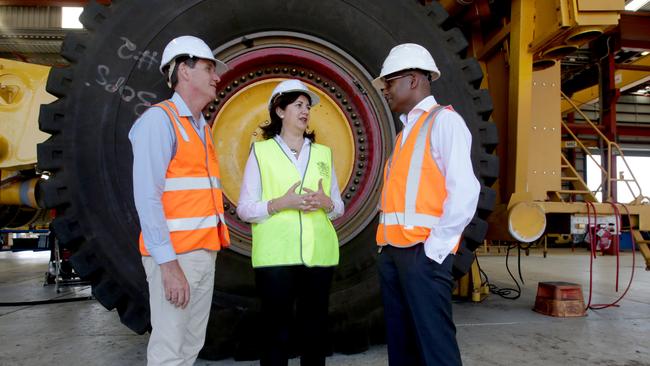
pixel 290 195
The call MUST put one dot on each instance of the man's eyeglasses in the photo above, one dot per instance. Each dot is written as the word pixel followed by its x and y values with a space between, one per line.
pixel 387 81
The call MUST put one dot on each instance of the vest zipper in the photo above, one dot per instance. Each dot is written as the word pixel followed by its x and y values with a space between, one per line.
pixel 204 141
pixel 302 182
pixel 207 169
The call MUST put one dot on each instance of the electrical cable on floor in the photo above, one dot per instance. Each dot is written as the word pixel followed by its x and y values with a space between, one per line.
pixel 506 293
pixel 47 302
pixel 593 244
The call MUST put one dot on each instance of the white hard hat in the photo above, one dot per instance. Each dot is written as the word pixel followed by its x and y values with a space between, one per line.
pixel 293 85
pixel 405 57
pixel 188 46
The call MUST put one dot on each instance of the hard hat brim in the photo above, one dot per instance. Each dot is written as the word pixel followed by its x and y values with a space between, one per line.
pixel 380 84
pixel 315 99
pixel 220 66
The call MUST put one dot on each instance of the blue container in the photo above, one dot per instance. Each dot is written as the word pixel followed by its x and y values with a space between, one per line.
pixel 625 240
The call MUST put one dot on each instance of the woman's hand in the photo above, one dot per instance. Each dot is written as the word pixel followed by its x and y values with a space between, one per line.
pixel 290 200
pixel 318 199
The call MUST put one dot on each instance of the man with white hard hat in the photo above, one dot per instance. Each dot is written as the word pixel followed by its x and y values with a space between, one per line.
pixel 429 195
pixel 177 192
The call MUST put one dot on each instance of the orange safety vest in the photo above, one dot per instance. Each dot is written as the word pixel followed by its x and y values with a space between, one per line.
pixel 192 198
pixel 414 188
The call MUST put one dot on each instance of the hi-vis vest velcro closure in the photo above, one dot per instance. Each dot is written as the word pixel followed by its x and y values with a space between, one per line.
pixel 291 237
pixel 192 196
pixel 414 188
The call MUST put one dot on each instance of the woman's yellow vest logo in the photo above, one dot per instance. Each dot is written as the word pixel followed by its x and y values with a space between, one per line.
pixel 323 169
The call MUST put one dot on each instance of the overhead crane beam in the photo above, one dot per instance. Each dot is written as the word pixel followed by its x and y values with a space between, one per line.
pixel 631 32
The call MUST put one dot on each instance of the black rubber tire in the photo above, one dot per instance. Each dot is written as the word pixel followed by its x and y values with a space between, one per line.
pixel 90 158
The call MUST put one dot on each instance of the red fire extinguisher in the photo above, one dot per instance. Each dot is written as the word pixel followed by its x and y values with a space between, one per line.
pixel 606 239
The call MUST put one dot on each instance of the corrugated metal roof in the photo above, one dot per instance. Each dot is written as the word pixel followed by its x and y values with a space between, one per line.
pixel 31 40
pixel 29 46
pixel 30 17
pixel 30 29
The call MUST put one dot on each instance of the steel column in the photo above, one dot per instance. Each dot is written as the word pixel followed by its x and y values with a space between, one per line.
pixel 520 97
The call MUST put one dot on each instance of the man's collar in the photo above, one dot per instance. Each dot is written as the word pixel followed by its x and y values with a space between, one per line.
pixel 423 106
pixel 181 106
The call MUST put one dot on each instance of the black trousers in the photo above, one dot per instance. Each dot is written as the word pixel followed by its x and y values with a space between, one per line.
pixel 307 289
pixel 416 292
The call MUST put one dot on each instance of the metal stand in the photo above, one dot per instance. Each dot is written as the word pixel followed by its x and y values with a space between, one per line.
pixel 59 280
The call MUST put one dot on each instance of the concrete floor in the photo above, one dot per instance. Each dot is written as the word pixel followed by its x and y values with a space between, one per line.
pixel 494 332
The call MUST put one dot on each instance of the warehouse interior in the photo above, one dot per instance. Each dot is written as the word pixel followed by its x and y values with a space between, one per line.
pixel 553 269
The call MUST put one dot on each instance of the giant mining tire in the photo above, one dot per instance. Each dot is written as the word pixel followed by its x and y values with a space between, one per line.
pixel 335 46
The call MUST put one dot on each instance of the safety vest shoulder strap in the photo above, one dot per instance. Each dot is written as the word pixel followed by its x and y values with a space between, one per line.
pixel 421 141
pixel 410 217
pixel 415 167
pixel 277 172
pixel 169 108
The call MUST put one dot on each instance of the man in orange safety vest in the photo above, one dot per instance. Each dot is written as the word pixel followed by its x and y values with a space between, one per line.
pixel 177 192
pixel 429 195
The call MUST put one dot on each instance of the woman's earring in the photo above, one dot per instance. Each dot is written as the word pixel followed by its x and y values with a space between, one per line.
pixel 282 116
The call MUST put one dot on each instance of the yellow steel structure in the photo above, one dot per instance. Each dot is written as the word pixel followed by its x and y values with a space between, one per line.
pixel 471 287
pixel 573 179
pixel 614 150
pixel 22 91
pixel 624 79
pixel 531 185
pixel 642 244
pixel 560 26
pixel 520 98
pixel 544 171
pixel 246 111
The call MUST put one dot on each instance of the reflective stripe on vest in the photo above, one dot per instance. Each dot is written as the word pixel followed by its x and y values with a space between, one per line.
pixel 415 219
pixel 414 226
pixel 179 184
pixel 194 223
pixel 192 197
pixel 290 236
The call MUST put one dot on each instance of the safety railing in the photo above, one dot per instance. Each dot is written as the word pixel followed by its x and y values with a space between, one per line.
pixel 613 150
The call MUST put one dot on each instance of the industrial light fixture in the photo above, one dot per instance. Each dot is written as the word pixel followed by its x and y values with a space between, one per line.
pixel 635 5
pixel 645 53
pixel 70 17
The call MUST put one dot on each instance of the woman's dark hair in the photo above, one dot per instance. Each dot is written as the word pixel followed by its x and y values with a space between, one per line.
pixel 275 126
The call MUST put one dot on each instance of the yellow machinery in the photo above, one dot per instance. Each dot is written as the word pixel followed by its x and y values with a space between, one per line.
pixel 536 180
pixel 529 115
pixel 22 91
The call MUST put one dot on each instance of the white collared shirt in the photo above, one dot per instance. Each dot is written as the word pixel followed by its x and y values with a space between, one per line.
pixel 451 144
pixel 252 208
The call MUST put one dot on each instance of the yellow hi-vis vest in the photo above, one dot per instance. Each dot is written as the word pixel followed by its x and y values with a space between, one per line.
pixel 292 237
